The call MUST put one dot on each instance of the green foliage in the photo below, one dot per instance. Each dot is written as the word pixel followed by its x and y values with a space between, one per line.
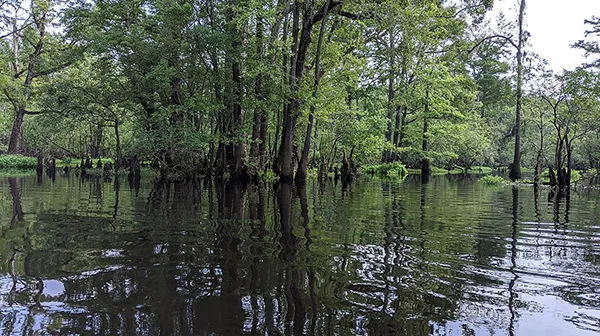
pixel 268 175
pixel 17 162
pixel 395 79
pixel 576 176
pixel 493 180
pixel 395 169
pixel 481 170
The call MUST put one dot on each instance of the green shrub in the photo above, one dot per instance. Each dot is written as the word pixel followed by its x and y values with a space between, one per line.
pixel 17 162
pixel 395 169
pixel 439 171
pixel 493 180
pixel 575 176
pixel 481 170
pixel 591 172
pixel 268 175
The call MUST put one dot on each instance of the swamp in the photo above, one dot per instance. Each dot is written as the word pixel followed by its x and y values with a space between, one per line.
pixel 299 167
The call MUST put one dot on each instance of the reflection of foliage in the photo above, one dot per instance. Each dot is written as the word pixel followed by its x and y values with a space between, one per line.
pixel 399 257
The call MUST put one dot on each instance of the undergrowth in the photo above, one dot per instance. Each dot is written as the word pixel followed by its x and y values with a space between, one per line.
pixel 17 162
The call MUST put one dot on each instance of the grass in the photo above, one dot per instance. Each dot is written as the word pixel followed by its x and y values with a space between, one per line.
pixel 17 162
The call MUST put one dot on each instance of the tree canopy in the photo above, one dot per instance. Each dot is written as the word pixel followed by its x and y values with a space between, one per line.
pixel 243 88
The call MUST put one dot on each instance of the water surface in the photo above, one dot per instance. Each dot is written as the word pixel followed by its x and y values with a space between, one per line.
pixel 451 257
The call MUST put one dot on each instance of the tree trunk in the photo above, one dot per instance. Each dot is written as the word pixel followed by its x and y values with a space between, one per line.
pixel 560 173
pixel 538 169
pixel 237 151
pixel 286 169
pixel 552 177
pixel 97 134
pixel 262 146
pixel 539 161
pixel 397 127
pixel 14 146
pixel 285 162
pixel 569 164
pixel 276 165
pixel 118 140
pixel 301 174
pixel 515 171
pixel 260 97
pixel 387 154
pixel 425 165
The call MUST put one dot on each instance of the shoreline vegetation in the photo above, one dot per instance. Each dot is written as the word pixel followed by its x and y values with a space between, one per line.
pixel 20 165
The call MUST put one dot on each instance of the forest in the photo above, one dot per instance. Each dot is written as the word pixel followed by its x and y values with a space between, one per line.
pixel 287 90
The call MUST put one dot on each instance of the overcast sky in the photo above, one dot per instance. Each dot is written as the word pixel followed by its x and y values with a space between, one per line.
pixel 554 25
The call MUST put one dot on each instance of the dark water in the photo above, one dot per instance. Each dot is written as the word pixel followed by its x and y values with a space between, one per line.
pixel 452 257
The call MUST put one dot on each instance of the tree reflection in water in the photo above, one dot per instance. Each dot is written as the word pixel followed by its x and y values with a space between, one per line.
pixel 221 258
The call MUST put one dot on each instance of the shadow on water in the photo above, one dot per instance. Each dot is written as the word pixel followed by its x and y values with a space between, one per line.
pixel 449 256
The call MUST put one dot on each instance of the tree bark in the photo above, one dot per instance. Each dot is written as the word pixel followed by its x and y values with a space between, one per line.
pixel 387 154
pixel 515 171
pixel 260 97
pixel 558 157
pixel 118 145
pixel 398 125
pixel 425 165
pixel 285 162
pixel 301 174
pixel 14 145
pixel 569 164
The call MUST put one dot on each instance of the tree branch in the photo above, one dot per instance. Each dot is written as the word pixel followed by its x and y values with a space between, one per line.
pixel 503 37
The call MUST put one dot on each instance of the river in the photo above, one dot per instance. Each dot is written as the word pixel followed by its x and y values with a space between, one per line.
pixel 450 257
